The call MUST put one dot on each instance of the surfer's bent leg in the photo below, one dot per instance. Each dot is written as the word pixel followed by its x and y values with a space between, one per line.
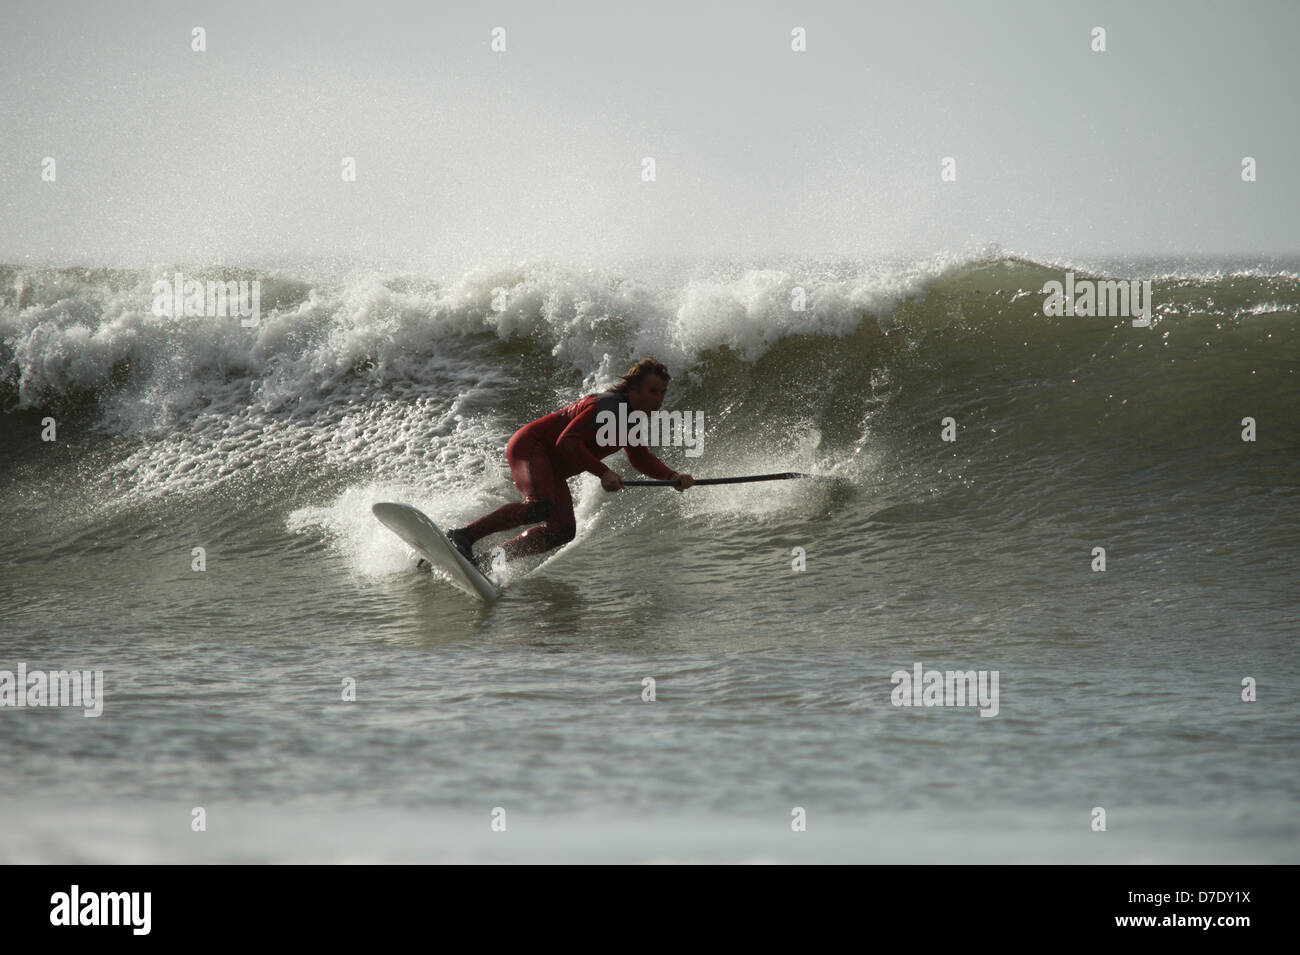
pixel 546 498
pixel 560 527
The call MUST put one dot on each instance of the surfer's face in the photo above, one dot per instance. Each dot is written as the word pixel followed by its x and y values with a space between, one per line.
pixel 649 395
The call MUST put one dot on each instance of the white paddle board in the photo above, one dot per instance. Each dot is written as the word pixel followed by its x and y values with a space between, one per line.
pixel 423 534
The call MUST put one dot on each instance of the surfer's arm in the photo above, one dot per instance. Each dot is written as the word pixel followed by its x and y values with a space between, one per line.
pixel 648 464
pixel 651 466
pixel 572 442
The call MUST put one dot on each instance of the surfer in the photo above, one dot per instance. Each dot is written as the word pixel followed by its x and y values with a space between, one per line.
pixel 545 453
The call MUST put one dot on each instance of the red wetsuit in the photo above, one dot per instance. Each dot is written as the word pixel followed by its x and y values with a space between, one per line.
pixel 543 455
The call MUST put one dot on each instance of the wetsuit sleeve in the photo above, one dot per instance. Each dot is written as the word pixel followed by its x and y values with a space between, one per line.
pixel 573 441
pixel 648 464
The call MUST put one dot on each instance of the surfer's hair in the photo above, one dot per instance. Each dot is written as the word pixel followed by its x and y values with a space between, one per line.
pixel 640 372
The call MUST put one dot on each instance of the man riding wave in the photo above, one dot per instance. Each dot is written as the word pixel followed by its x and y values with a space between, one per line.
pixel 545 453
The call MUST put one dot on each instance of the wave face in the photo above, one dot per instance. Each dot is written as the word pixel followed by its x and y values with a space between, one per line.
pixel 423 381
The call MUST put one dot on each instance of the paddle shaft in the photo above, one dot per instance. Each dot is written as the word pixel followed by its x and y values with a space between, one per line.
pixel 786 476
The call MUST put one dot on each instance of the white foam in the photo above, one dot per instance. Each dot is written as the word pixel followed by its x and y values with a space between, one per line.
pixel 393 373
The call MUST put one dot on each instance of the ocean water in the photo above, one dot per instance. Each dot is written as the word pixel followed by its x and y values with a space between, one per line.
pixel 223 688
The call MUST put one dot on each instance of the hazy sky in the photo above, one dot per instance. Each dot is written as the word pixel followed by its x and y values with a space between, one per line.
pixel 466 156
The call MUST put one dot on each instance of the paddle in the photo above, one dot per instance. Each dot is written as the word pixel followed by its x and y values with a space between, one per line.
pixel 786 476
